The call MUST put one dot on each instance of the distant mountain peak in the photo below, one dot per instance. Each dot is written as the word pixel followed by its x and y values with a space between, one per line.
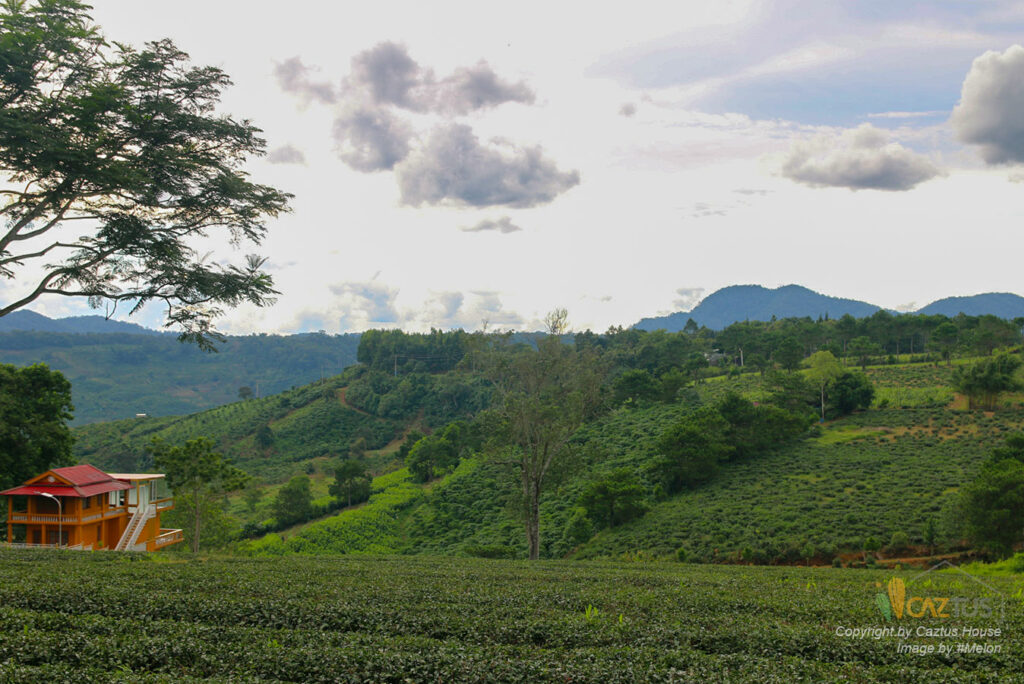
pixel 734 303
pixel 27 320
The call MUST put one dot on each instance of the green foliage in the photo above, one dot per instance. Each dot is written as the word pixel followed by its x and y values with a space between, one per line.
pixel 294 501
pixel 351 482
pixel 692 449
pixel 115 376
pixel 397 352
pixel 635 384
pixel 993 503
pixel 35 405
pixel 985 380
pixel 85 120
pixel 579 528
pixel 849 392
pixel 194 470
pixel 546 395
pixel 430 456
pixel 613 499
pixel 372 528
pixel 372 619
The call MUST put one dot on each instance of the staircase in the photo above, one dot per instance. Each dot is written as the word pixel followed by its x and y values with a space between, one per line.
pixel 135 525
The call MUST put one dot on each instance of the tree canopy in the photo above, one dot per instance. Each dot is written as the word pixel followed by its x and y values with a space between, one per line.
pixel 113 164
pixel 35 405
pixel 545 396
pixel 199 478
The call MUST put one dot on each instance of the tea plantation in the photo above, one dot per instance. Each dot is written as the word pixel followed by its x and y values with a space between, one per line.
pixel 105 617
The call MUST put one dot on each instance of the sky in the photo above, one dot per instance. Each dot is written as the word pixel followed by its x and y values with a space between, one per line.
pixel 462 164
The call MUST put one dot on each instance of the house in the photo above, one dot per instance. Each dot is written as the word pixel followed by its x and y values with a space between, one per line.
pixel 82 507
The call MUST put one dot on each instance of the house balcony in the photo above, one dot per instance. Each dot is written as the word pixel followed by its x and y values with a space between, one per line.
pixel 24 517
pixel 165 538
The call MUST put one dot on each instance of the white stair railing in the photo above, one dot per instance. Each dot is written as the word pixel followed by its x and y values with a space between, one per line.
pixel 135 525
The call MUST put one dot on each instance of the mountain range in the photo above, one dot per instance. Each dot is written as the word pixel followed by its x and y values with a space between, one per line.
pixel 756 303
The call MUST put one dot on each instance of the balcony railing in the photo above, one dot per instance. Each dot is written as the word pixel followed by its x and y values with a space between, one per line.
pixel 24 545
pixel 42 518
pixel 167 537
pixel 162 504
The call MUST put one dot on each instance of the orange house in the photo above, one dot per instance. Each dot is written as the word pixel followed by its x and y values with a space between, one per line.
pixel 82 507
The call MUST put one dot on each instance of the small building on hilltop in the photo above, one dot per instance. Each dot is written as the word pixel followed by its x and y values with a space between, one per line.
pixel 82 507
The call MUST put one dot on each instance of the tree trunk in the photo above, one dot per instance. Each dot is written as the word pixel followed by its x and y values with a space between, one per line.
pixel 195 532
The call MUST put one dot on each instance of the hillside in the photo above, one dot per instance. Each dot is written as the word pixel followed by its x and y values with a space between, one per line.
pixel 755 303
pixel 116 375
pixel 895 468
pixel 26 320
pixel 1002 304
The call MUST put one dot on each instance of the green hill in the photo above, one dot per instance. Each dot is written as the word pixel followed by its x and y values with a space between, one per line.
pixel 891 470
pixel 895 468
pixel 117 375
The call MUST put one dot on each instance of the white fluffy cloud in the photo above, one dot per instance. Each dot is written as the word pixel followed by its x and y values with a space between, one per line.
pixel 990 113
pixel 863 158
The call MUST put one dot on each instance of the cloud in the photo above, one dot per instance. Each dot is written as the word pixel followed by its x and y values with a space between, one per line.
pixel 454 168
pixel 364 304
pixel 472 88
pixel 503 225
pixel 628 109
pixel 371 139
pixel 287 154
pixel 991 101
pixel 367 304
pixel 703 209
pixel 907 115
pixel 688 298
pixel 862 158
pixel 293 77
pixel 389 76
pixel 751 191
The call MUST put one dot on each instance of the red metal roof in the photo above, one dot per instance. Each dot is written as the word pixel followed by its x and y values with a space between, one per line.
pixel 86 480
pixel 64 490
pixel 82 474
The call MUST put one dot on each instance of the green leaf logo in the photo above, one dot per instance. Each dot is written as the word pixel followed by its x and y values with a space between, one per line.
pixel 882 601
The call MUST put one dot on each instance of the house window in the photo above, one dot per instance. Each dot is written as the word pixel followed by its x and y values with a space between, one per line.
pixel 85 502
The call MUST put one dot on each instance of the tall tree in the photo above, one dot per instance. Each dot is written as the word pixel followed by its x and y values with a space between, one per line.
pixel 824 369
pixel 294 501
pixel 35 405
pixel 545 396
pixel 113 163
pixel 993 504
pixel 199 473
pixel 351 482
pixel 985 380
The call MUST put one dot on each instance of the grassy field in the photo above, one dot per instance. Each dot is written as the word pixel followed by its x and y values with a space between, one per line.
pixel 106 617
